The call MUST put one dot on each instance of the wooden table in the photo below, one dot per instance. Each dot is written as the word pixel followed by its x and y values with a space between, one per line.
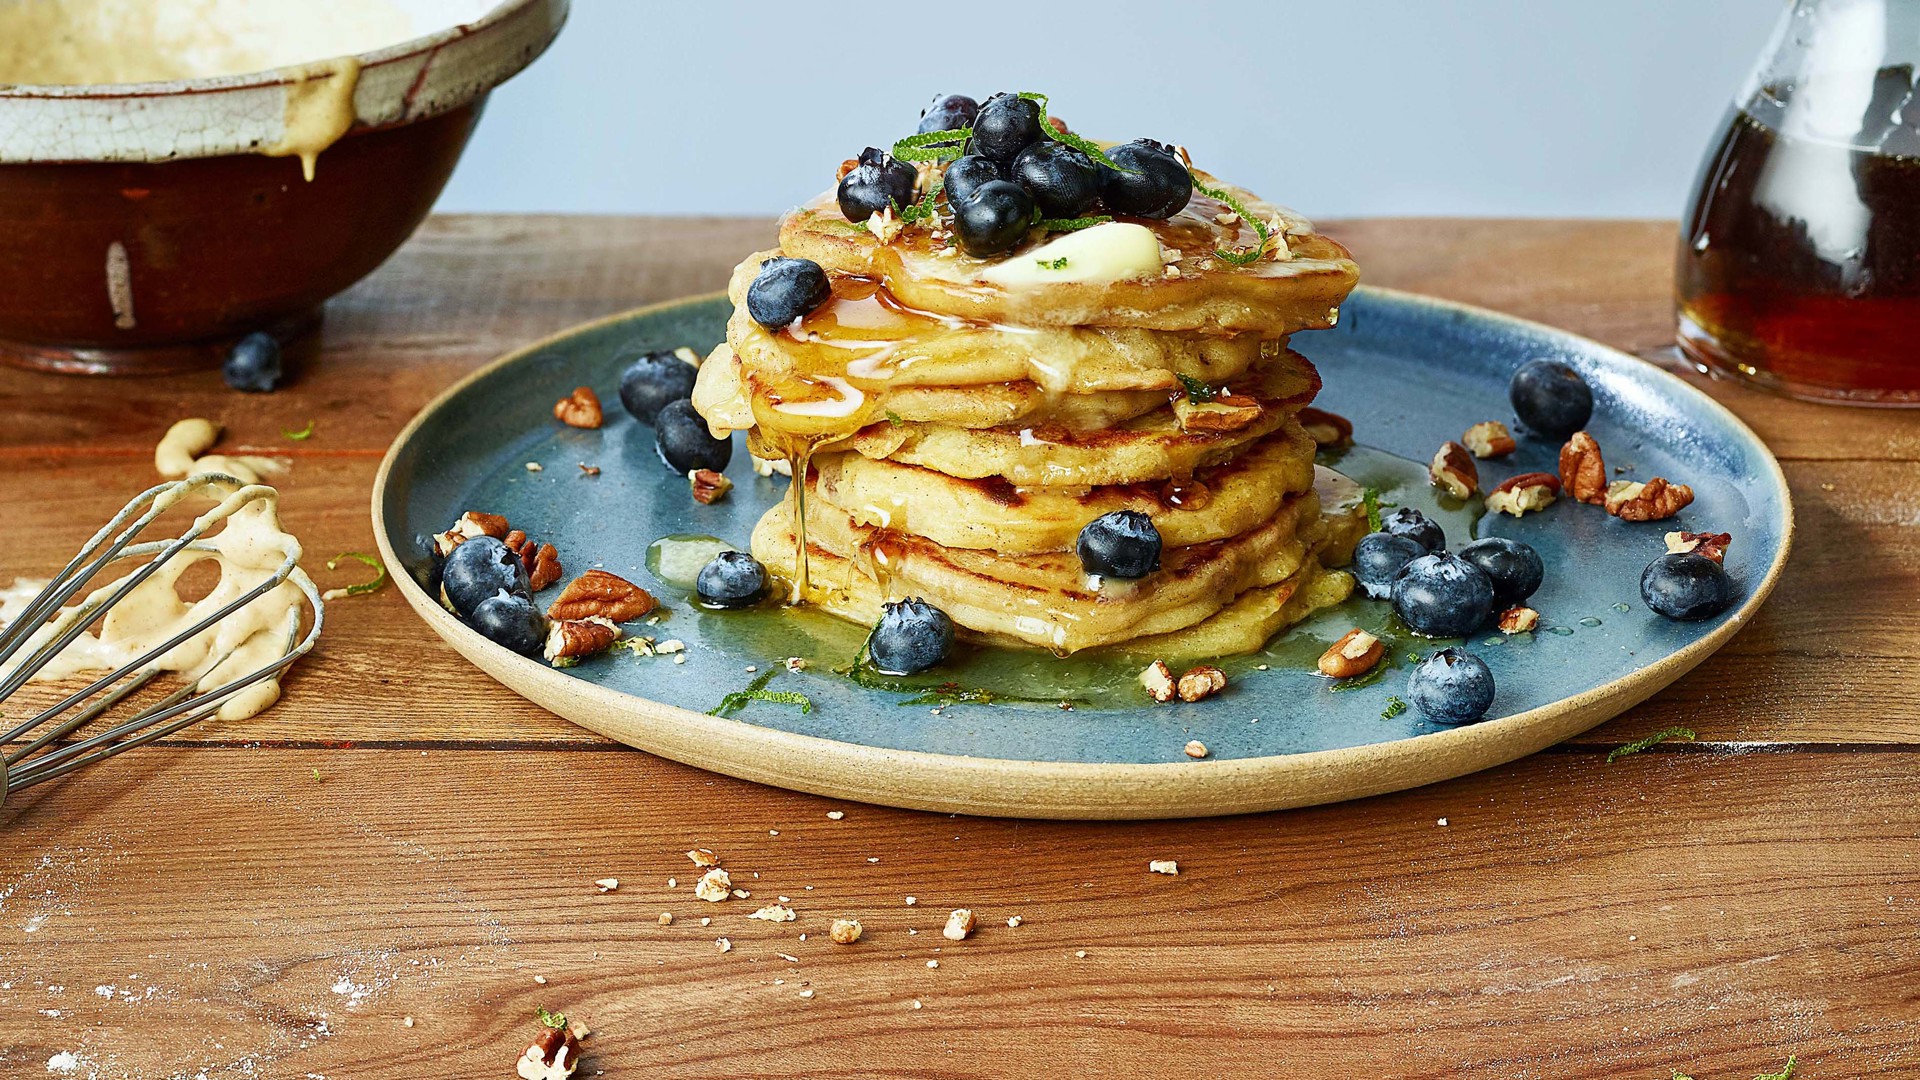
pixel 402 838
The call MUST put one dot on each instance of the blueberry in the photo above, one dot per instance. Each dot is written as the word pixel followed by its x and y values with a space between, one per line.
pixel 684 441
pixel 786 289
pixel 1061 180
pixel 1379 557
pixel 995 219
pixel 1514 568
pixel 1155 185
pixel 965 176
pixel 1442 595
pixel 654 380
pixel 731 579
pixel 1452 686
pixel 912 635
pixel 253 366
pixel 1415 526
pixel 477 570
pixel 426 572
pixel 949 113
pixel 1686 586
pixel 510 621
pixel 875 184
pixel 1551 399
pixel 1006 125
pixel 1121 544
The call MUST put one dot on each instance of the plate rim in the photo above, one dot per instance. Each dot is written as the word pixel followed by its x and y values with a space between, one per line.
pixel 1006 787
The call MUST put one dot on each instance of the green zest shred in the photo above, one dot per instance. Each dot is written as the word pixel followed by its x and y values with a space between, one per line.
pixel 551 1019
pixel 302 435
pixel 1244 256
pixel 1370 499
pixel 1653 740
pixel 894 418
pixel 1394 708
pixel 1198 393
pixel 1783 1074
pixel 1072 224
pixel 922 210
pixel 757 691
pixel 1084 146
pixel 379 581
pixel 566 661
pixel 1053 264
pixel 921 147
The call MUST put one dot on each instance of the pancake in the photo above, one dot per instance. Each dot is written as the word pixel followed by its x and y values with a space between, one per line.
pixel 1220 501
pixel 1271 297
pixel 1247 624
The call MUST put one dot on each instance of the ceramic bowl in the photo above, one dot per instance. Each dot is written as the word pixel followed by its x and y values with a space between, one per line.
pixel 150 225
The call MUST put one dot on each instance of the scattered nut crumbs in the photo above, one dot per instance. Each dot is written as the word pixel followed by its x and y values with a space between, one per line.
pixel 540 979
pixel 795 663
pixel 579 409
pixel 836 815
pixel 774 913
pixel 1489 439
pixel 703 857
pixel 933 963
pixel 666 918
pixel 912 900
pixel 959 925
pixel 1442 823
pixel 1201 682
pixel 1164 866
pixel 534 466
pixel 1519 620
pixel 789 958
pixel 1196 749
pixel 673 883
pixel 916 1004
pixel 1081 953
pixel 589 470
pixel 408 1021
pixel 1014 920
pixel 713 886
pixel 808 994
pixel 723 944
pixel 845 931
pixel 1158 681
pixel 608 884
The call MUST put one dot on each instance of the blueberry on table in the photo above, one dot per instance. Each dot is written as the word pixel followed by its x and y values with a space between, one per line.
pixel 965 176
pixel 652 382
pixel 479 569
pixel 253 365
pixel 1061 180
pixel 1452 686
pixel 1120 544
pixel 1686 587
pixel 875 184
pixel 1006 125
pixel 948 114
pixel 1379 557
pixel 1514 568
pixel 912 635
pixel 1416 526
pixel 1442 595
pixel 786 289
pixel 510 621
pixel 731 579
pixel 685 442
pixel 1551 399
pixel 994 220
pixel 1155 183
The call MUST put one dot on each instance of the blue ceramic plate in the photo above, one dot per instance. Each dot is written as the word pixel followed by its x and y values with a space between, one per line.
pixel 1410 373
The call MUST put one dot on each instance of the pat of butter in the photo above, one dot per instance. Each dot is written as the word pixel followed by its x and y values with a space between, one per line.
pixel 1113 251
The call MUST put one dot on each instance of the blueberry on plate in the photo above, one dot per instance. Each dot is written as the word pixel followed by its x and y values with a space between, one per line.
pixel 1686 587
pixel 786 289
pixel 1442 595
pixel 875 184
pixel 1120 544
pixel 1379 557
pixel 685 442
pixel 1061 180
pixel 1452 686
pixel 994 220
pixel 1551 399
pixel 1514 568
pixel 1006 125
pixel 653 381
pixel 912 635
pixel 731 579
pixel 510 621
pixel 948 114
pixel 253 365
pixel 965 176
pixel 479 569
pixel 426 572
pixel 1416 526
pixel 1155 183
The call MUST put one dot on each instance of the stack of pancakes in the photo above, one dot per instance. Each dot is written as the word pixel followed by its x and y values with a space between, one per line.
pixel 953 423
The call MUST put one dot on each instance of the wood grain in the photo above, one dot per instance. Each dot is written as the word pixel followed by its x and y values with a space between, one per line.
pixel 1712 907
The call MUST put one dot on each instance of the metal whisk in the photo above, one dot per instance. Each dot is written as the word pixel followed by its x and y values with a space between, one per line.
pixel 47 626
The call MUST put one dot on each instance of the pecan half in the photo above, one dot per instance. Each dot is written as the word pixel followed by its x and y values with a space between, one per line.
pixel 597 592
pixel 1529 491
pixel 1488 439
pixel 1228 412
pixel 1654 500
pixel 1519 620
pixel 1354 654
pixel 709 487
pixel 579 409
pixel 573 639
pixel 1158 681
pixel 1201 682
pixel 1583 472
pixel 1706 545
pixel 1325 428
pixel 1453 469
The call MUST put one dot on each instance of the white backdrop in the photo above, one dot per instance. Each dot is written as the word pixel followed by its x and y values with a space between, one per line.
pixel 1489 107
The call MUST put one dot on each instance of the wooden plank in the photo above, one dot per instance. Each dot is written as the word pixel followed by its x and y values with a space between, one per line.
pixel 1570 919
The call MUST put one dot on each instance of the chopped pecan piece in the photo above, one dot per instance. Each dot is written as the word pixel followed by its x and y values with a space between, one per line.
pixel 1706 545
pixel 1453 469
pixel 544 569
pixel 1228 412
pixel 1529 491
pixel 1354 654
pixel 1518 620
pixel 1158 680
pixel 845 931
pixel 709 487
pixel 1583 472
pixel 579 409
pixel 575 639
pixel 1654 500
pixel 471 524
pixel 1489 439
pixel 1201 682
pixel 597 592
pixel 1325 428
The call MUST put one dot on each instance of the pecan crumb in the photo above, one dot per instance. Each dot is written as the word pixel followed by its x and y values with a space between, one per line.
pixel 579 409
pixel 1164 866
pixel 709 487
pixel 1489 439
pixel 1201 682
pixel 845 931
pixel 1517 495
pixel 1453 470
pixel 1706 545
pixel 1519 620
pixel 1158 680
pixel 959 925
pixel 1196 749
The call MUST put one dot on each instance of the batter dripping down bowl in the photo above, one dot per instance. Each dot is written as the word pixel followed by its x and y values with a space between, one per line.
pixel 175 174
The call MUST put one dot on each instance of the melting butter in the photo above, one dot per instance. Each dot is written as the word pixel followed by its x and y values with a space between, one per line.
pixel 1100 255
